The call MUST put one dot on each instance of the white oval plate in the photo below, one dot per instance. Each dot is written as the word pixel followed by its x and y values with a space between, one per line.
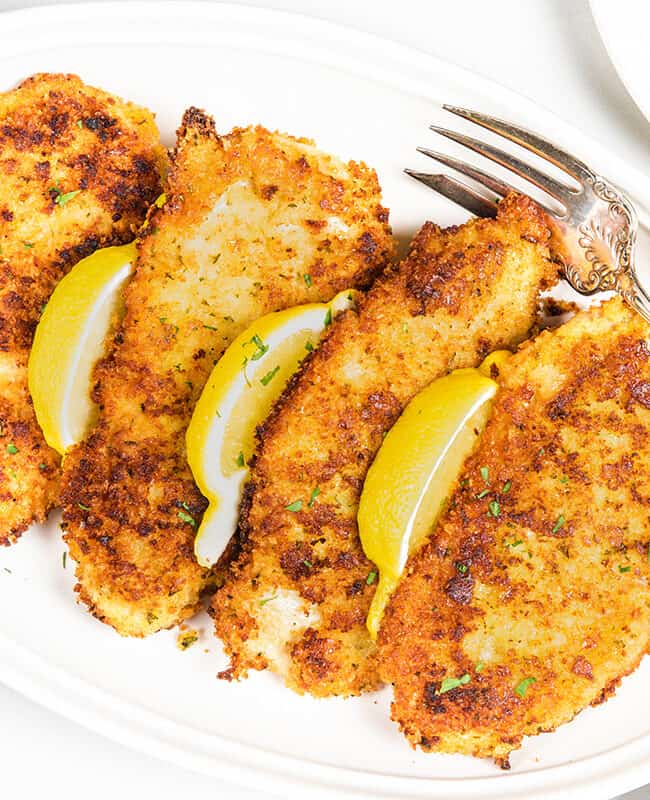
pixel 359 97
pixel 624 26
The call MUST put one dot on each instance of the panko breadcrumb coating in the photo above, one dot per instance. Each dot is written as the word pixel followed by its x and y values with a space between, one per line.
pixel 535 595
pixel 296 599
pixel 253 222
pixel 78 170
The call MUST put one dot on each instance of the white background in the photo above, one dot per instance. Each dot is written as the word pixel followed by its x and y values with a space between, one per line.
pixel 548 50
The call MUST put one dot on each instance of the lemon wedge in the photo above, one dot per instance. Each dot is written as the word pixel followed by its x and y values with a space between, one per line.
pixel 69 339
pixel 237 397
pixel 415 470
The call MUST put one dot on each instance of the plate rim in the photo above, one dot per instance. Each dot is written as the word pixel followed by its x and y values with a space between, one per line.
pixel 628 765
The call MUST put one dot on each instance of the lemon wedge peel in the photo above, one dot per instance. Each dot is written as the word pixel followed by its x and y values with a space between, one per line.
pixel 241 389
pixel 415 471
pixel 69 340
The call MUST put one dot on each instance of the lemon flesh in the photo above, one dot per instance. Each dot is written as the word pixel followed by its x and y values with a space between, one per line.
pixel 238 395
pixel 69 339
pixel 415 471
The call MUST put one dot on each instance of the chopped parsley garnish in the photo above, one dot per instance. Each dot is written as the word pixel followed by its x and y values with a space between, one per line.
pixel 28 244
pixel 462 568
pixel 64 558
pixel 216 258
pixel 79 124
pixel 515 543
pixel 261 348
pixel 506 487
pixel 295 506
pixel 240 459
pixel 312 498
pixel 307 279
pixel 648 555
pixel 210 327
pixel 480 666
pixel 12 449
pixel 564 479
pixel 308 564
pixel 482 494
pixel 372 577
pixel 83 507
pixel 453 683
pixel 494 508
pixel 522 688
pixel 560 522
pixel 328 317
pixel 624 569
pixel 42 466
pixel 266 600
pixel 484 474
pixel 183 515
pixel 309 346
pixel 62 198
pixel 266 379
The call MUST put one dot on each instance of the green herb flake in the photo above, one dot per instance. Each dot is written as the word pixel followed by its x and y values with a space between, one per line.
pixel 216 258
pixel 240 459
pixel 79 124
pixel 560 522
pixel 307 279
pixel 28 244
pixel 328 318
pixel 482 494
pixel 185 517
pixel 64 559
pixel 506 487
pixel 624 569
pixel 522 687
pixel 372 577
pixel 480 666
pixel 12 449
pixel 261 347
pixel 453 683
pixel 515 543
pixel 494 508
pixel 266 379
pixel 295 506
pixel 210 327
pixel 564 479
pixel 309 347
pixel 462 568
pixel 308 564
pixel 83 507
pixel 42 466
pixel 62 199
pixel 484 474
pixel 266 600
pixel 292 205
pixel 312 498
pixel 647 558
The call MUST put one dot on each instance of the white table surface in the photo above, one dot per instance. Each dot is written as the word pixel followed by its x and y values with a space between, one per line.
pixel 548 50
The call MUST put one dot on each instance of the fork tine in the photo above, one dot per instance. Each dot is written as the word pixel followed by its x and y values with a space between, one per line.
pixel 530 141
pixel 556 189
pixel 457 192
pixel 489 181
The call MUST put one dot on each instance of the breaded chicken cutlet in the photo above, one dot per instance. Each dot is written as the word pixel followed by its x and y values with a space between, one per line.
pixel 531 599
pixel 253 222
pixel 78 170
pixel 296 599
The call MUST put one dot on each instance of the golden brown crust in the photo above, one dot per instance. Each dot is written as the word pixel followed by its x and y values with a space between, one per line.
pixel 247 217
pixel 57 136
pixel 303 575
pixel 551 583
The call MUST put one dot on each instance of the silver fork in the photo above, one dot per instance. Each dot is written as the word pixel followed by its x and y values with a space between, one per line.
pixel 595 235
